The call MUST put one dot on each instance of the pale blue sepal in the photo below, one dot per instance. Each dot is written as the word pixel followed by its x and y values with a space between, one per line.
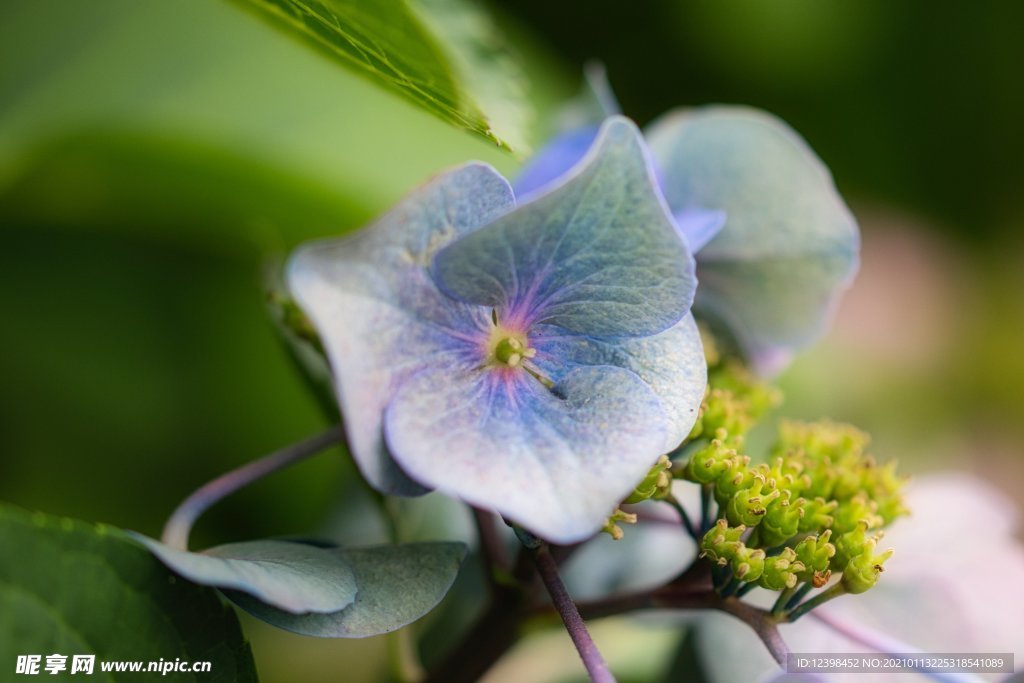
pixel 789 245
pixel 671 363
pixel 598 254
pixel 554 461
pixel 378 312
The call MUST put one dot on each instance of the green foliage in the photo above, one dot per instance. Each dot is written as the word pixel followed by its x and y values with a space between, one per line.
pixel 397 585
pixel 72 588
pixel 443 54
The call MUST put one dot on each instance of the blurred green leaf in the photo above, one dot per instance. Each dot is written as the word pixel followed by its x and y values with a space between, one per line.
pixel 454 66
pixel 397 585
pixel 74 588
pixel 295 577
pixel 202 124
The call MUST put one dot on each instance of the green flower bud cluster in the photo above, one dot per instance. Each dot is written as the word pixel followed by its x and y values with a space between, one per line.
pixel 834 457
pixel 808 514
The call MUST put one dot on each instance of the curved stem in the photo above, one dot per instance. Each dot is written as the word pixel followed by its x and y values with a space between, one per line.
pixel 596 667
pixel 684 517
pixel 693 590
pixel 179 525
pixel 821 598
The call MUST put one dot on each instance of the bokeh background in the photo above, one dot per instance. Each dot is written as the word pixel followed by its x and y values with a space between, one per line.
pixel 156 159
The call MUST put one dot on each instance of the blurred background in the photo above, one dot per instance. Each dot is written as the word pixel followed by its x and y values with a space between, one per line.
pixel 157 158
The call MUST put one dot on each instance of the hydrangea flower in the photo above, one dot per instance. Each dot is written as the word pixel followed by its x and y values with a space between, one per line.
pixel 776 242
pixel 534 359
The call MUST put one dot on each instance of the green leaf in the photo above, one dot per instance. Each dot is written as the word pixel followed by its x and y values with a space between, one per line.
pixel 295 577
pixel 397 585
pixel 68 587
pixel 445 55
pixel 198 124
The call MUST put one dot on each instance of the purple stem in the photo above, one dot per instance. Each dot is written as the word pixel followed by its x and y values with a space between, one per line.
pixel 177 529
pixel 592 659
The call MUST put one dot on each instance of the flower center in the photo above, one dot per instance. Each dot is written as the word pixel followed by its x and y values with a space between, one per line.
pixel 509 349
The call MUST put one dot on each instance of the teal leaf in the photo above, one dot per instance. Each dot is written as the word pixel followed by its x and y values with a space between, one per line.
pixel 445 55
pixel 295 577
pixel 68 587
pixel 397 585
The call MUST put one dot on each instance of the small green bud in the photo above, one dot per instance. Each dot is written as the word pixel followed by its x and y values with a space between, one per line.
pixel 736 476
pixel 853 544
pixel 863 570
pixel 780 571
pixel 657 483
pixel 817 515
pixel 787 474
pixel 815 552
pixel 850 513
pixel 748 563
pixel 749 505
pixel 708 463
pixel 721 410
pixel 722 542
pixel 782 520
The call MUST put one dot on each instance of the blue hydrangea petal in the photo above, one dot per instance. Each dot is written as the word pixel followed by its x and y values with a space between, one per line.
pixel 699 226
pixel 553 160
pixel 378 312
pixel 789 245
pixel 557 462
pixel 671 363
pixel 598 255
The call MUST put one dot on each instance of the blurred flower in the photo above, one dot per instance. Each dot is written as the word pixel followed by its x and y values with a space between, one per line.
pixel 535 360
pixel 776 242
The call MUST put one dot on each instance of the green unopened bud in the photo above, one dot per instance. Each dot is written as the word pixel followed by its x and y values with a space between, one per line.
pixel 736 476
pixel 611 526
pixel 817 515
pixel 749 505
pixel 863 570
pixel 657 483
pixel 748 563
pixel 723 411
pixel 853 544
pixel 708 463
pixel 780 571
pixel 815 552
pixel 782 520
pixel 850 513
pixel 788 475
pixel 721 543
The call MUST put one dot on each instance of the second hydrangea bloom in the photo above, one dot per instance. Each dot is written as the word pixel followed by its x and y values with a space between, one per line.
pixel 534 360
